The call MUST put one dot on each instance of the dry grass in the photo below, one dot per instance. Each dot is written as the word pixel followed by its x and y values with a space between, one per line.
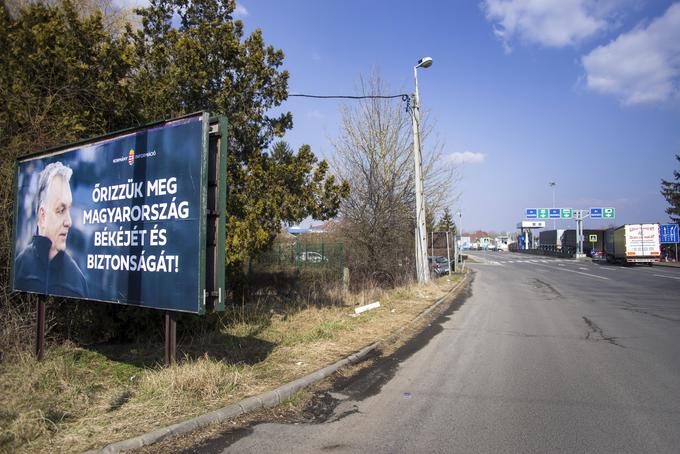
pixel 79 399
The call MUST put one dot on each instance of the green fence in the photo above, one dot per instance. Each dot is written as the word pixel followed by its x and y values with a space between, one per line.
pixel 327 259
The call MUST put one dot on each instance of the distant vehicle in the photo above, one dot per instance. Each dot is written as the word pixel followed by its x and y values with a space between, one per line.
pixel 438 265
pixel 633 243
pixel 501 243
pixel 569 240
pixel 551 240
pixel 311 257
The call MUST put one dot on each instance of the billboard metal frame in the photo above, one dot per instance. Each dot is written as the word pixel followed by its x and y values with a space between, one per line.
pixel 211 292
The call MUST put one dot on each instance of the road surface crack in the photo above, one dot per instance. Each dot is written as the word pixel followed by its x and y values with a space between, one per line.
pixel 543 287
pixel 595 333
pixel 651 314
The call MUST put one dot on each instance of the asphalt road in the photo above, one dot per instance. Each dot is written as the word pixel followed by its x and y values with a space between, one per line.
pixel 541 355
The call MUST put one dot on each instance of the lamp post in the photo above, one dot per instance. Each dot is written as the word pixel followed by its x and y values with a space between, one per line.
pixel 422 268
pixel 460 226
pixel 459 245
pixel 552 184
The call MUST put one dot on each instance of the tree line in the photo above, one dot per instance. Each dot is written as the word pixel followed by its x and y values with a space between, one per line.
pixel 74 69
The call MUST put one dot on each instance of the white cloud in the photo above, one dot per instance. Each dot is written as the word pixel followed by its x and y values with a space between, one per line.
pixel 641 66
pixel 240 10
pixel 551 23
pixel 466 157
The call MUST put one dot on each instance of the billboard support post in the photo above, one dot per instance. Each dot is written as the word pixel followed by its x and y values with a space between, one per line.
pixel 170 338
pixel 40 332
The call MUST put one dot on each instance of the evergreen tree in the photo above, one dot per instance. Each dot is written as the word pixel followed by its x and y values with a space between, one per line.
pixel 446 223
pixel 671 192
pixel 68 73
pixel 206 63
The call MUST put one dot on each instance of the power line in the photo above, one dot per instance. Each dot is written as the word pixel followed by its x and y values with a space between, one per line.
pixel 404 97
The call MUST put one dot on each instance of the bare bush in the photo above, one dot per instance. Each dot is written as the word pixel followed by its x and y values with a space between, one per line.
pixel 375 155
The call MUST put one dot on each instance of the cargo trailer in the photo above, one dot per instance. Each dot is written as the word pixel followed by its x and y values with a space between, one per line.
pixel 569 241
pixel 633 243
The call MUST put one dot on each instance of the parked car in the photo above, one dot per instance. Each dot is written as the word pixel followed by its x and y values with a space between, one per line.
pixel 597 255
pixel 438 265
pixel 311 257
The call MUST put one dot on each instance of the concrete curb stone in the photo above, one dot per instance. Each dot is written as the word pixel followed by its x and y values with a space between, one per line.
pixel 268 399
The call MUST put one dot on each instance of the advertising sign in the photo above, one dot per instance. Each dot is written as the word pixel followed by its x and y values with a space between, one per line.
pixel 120 219
pixel 531 225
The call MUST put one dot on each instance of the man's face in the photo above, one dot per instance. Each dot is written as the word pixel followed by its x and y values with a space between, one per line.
pixel 54 217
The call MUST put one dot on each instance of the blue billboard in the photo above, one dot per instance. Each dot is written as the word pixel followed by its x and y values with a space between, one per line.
pixel 120 219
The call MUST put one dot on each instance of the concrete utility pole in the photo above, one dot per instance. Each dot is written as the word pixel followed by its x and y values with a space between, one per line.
pixel 422 268
pixel 448 252
pixel 460 227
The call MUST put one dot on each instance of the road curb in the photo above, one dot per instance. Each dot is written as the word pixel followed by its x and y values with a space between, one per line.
pixel 267 399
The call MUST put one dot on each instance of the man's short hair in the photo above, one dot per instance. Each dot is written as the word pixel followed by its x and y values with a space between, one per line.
pixel 46 177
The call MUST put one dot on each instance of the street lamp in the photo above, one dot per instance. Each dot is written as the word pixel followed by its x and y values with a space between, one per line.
pixel 422 268
pixel 552 184
pixel 460 226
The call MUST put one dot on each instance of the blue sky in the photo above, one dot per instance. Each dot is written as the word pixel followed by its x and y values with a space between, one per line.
pixel 585 93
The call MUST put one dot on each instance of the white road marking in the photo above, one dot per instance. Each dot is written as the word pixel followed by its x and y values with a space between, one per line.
pixel 583 268
pixel 578 272
pixel 669 277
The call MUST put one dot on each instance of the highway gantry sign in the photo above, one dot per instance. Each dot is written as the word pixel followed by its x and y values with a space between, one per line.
pixel 602 213
pixel 668 233
pixel 548 213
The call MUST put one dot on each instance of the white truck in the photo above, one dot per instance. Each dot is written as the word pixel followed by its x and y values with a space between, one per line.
pixel 633 243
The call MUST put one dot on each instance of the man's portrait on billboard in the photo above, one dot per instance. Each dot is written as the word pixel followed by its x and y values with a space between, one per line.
pixel 44 265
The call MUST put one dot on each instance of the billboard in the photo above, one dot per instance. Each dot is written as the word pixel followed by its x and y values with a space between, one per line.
pixel 119 219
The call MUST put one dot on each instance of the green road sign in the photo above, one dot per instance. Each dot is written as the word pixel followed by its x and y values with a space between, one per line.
pixel 543 213
pixel 567 213
pixel 608 213
pixel 592 238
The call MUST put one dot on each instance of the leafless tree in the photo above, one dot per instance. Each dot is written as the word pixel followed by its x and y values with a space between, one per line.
pixel 374 153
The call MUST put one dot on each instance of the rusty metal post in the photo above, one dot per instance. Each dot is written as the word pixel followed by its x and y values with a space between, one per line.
pixel 40 332
pixel 170 338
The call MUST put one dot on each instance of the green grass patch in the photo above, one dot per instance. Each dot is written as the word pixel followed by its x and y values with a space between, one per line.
pixel 326 330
